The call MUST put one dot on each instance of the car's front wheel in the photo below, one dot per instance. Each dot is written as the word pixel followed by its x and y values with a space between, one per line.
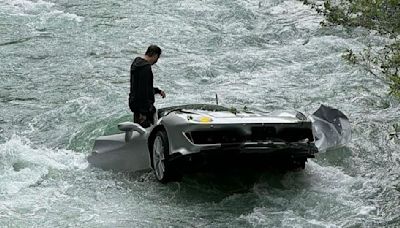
pixel 163 169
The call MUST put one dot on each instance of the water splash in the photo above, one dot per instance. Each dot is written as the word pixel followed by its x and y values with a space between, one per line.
pixel 22 165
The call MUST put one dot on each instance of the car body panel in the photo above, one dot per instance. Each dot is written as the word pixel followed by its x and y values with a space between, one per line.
pixel 113 153
pixel 225 129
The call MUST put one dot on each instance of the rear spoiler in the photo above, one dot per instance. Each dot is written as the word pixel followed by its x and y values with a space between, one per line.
pixel 331 128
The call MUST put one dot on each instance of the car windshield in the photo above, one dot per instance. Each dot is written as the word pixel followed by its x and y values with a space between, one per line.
pixel 205 107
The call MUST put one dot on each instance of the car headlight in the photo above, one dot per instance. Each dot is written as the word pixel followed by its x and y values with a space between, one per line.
pixel 201 119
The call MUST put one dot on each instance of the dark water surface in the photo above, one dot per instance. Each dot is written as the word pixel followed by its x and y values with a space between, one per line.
pixel 64 80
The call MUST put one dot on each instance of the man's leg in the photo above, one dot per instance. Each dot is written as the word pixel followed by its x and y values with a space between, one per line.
pixel 141 119
pixel 150 115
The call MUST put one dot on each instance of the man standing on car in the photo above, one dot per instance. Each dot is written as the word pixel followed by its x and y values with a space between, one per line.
pixel 141 96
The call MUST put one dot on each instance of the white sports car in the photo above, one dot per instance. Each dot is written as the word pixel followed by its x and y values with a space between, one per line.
pixel 196 137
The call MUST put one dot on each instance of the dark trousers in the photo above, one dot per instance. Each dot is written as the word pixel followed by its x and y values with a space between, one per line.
pixel 144 119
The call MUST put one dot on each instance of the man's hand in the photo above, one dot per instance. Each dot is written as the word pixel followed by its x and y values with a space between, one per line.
pixel 162 93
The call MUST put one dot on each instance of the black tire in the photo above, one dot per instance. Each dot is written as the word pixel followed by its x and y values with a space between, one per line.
pixel 297 165
pixel 162 167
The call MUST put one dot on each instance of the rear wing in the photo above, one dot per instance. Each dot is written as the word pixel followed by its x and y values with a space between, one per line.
pixel 331 128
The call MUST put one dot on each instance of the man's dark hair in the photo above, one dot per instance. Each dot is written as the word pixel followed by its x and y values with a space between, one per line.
pixel 153 50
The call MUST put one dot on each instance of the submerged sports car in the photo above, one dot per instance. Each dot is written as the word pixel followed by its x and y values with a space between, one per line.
pixel 197 137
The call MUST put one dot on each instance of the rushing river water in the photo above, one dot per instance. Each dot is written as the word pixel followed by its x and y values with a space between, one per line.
pixel 64 80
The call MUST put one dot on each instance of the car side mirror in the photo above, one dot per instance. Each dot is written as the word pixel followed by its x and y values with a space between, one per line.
pixel 129 127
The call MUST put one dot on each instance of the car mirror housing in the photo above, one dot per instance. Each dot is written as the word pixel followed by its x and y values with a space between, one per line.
pixel 129 127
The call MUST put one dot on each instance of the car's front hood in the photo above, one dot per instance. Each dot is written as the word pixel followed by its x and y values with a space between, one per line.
pixel 208 117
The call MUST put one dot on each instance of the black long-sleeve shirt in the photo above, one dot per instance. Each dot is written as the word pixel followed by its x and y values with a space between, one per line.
pixel 141 96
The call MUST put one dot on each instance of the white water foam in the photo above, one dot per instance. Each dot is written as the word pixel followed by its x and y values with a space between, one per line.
pixel 22 165
pixel 317 183
pixel 71 16
pixel 26 7
pixel 42 8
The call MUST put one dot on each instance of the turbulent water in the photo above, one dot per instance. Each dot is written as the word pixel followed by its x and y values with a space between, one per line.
pixel 64 80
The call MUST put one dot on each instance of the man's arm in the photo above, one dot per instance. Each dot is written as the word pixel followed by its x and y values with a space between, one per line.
pixel 156 90
pixel 159 91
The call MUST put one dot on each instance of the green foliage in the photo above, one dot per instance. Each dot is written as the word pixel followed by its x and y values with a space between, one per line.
pixel 394 131
pixel 236 111
pixel 350 56
pixel 379 15
pixel 391 67
pixel 233 110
